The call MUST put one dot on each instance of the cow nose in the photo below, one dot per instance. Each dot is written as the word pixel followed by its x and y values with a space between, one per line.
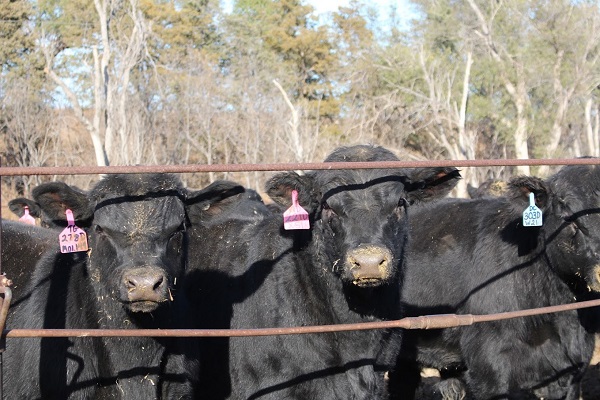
pixel 595 281
pixel 144 284
pixel 369 265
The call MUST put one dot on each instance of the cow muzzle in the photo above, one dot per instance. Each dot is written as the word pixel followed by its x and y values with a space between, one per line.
pixel 146 288
pixel 369 265
pixel 593 281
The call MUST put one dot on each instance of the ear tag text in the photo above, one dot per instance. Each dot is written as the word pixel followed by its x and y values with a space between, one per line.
pixel 72 239
pixel 295 217
pixel 532 216
pixel 27 218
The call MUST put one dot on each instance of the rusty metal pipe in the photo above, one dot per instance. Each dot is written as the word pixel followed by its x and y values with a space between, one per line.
pixel 422 322
pixel 13 171
pixel 4 306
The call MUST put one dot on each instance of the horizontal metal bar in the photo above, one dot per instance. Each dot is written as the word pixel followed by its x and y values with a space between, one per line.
pixel 188 168
pixel 423 322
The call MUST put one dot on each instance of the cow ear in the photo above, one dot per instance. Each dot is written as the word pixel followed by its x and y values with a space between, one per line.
pixel 54 198
pixel 212 199
pixel 17 206
pixel 280 187
pixel 519 188
pixel 425 184
pixel 472 191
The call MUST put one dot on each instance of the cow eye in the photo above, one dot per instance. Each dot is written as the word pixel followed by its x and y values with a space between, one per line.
pixel 178 232
pixel 580 228
pixel 328 211
pixel 400 209
pixel 575 227
pixel 98 229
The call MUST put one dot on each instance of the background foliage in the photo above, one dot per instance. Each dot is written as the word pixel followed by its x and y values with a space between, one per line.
pixel 125 82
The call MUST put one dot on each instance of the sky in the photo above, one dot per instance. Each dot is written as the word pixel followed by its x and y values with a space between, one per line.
pixel 323 6
pixel 404 8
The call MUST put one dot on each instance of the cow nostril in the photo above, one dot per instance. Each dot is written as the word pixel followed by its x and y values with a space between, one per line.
pixel 368 261
pixel 130 284
pixel 142 283
pixel 158 283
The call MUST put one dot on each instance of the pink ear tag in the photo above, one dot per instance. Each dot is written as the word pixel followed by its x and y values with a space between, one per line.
pixel 26 218
pixel 72 239
pixel 295 217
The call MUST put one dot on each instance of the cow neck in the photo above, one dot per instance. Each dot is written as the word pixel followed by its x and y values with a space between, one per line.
pixel 549 281
pixel 377 303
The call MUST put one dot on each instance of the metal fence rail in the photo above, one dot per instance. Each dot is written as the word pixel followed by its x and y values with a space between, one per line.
pixel 422 322
pixel 13 171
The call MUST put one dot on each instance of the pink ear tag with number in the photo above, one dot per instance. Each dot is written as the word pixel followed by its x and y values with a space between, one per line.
pixel 295 217
pixel 26 218
pixel 72 239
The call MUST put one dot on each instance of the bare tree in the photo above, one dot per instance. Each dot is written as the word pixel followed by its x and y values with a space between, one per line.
pixel 111 121
pixel 30 134
pixel 514 83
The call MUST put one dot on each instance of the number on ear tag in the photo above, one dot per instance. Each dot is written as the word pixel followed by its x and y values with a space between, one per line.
pixel 27 218
pixel 295 217
pixel 532 216
pixel 72 239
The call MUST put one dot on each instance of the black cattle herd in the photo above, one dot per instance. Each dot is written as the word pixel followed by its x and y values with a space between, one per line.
pixel 382 244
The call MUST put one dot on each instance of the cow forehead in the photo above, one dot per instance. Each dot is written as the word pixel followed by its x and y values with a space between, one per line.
pixel 145 215
pixel 579 198
pixel 579 181
pixel 368 186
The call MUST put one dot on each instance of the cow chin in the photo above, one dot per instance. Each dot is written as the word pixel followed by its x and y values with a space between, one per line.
pixel 367 282
pixel 143 306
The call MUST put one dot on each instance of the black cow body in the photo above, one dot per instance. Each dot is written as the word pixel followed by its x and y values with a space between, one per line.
pixel 128 279
pixel 345 269
pixel 476 257
pixel 22 246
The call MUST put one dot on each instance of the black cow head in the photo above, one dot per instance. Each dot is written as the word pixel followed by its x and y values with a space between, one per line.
pixel 360 215
pixel 135 226
pixel 489 188
pixel 570 201
pixel 18 205
pixel 222 200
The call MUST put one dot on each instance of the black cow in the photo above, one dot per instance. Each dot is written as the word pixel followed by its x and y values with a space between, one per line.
pixel 128 279
pixel 25 246
pixel 22 247
pixel 17 206
pixel 476 257
pixel 490 187
pixel 346 268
